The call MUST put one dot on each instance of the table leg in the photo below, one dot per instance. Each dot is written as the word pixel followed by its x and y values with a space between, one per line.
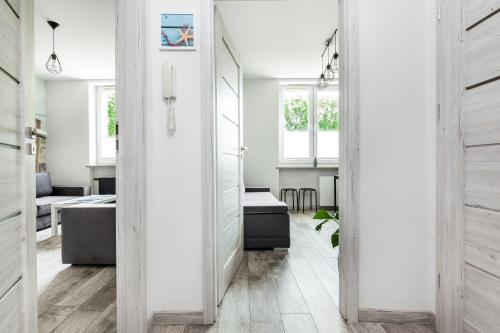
pixel 53 220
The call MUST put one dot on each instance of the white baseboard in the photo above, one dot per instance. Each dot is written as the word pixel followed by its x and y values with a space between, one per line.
pixel 396 317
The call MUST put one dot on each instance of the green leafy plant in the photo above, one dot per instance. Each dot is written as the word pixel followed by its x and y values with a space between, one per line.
pixel 328 118
pixel 296 114
pixel 326 218
pixel 112 116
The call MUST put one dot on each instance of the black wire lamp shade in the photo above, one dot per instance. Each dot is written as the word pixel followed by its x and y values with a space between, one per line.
pixel 53 65
pixel 330 72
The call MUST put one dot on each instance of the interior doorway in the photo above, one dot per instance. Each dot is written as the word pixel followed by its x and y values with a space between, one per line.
pixel 304 83
pixel 75 164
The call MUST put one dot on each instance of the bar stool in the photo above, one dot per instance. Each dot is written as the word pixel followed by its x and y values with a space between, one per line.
pixel 302 194
pixel 283 193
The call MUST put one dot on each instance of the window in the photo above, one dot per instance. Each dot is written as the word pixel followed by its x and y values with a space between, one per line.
pixel 309 125
pixel 106 124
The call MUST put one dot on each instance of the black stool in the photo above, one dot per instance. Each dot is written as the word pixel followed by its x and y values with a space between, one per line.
pixel 302 194
pixel 283 193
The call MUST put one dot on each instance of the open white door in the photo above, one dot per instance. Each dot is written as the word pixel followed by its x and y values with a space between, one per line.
pixel 16 280
pixel 229 155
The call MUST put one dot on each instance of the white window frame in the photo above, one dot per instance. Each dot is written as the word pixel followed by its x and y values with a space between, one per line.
pixel 99 159
pixel 313 129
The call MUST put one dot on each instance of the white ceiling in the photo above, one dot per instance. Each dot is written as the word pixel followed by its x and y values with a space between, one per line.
pixel 280 39
pixel 85 39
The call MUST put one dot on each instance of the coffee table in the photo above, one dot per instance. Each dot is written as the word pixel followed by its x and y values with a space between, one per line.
pixel 90 199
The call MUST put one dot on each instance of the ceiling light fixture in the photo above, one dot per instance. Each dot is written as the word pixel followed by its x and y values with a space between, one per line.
pixel 330 72
pixel 53 64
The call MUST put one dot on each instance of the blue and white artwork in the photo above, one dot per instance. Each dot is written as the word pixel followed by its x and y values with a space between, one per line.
pixel 177 31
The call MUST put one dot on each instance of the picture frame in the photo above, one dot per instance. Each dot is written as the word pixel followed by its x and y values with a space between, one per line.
pixel 177 32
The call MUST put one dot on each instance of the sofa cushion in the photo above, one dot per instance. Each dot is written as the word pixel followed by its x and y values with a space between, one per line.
pixel 43 185
pixel 43 204
pixel 263 203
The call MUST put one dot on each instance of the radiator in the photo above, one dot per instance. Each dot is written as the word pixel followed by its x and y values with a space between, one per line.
pixel 326 187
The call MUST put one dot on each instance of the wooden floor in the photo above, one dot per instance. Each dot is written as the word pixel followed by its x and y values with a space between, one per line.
pixel 294 291
pixel 73 298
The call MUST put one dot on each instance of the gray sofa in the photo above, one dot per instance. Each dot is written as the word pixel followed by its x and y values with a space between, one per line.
pixel 89 234
pixel 46 194
pixel 266 220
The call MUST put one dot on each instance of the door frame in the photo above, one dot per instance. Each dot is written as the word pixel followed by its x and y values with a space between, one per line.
pixel 450 171
pixel 130 166
pixel 348 169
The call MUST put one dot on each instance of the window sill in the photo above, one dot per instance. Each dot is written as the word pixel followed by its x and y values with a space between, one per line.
pixel 307 166
pixel 101 165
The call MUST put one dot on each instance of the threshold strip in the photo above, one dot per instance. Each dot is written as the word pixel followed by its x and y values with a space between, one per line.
pixel 12 8
pixel 494 79
pixel 487 17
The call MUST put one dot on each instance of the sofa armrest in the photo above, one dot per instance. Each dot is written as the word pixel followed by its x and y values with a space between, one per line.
pixel 71 191
pixel 257 189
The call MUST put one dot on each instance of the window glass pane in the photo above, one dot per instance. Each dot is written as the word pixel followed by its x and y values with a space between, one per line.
pixel 328 124
pixel 296 124
pixel 107 123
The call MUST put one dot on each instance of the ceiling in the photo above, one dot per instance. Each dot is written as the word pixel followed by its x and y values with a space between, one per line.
pixel 280 39
pixel 85 39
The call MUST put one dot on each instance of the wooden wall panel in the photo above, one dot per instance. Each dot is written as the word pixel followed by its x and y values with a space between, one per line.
pixel 482 54
pixel 10 253
pixel 482 300
pixel 10 39
pixel 9 110
pixel 481 107
pixel 11 306
pixel 476 10
pixel 482 177
pixel 10 180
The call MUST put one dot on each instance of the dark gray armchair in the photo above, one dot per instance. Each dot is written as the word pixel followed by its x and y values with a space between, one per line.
pixel 89 234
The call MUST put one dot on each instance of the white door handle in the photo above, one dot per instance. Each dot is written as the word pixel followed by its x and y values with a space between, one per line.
pixel 244 148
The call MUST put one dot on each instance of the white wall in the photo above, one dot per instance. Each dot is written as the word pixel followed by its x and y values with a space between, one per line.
pixel 67 132
pixel 397 125
pixel 260 133
pixel 69 144
pixel 174 202
pixel 397 238
pixel 41 102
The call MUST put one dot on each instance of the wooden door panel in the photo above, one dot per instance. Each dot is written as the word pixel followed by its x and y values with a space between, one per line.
pixel 228 68
pixel 10 181
pixel 231 238
pixel 10 40
pixel 229 108
pixel 481 107
pixel 10 253
pixel 482 177
pixel 11 310
pixel 477 10
pixel 231 205
pixel 482 299
pixel 10 117
pixel 230 177
pixel 482 54
pixel 229 136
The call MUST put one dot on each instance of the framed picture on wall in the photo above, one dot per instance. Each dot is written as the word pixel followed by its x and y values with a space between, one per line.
pixel 177 32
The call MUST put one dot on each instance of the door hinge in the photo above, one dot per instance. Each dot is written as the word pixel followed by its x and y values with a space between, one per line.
pixel 439 13
pixel 438 111
pixel 439 281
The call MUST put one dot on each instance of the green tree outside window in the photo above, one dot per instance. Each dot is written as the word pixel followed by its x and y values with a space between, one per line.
pixel 296 114
pixel 328 116
pixel 112 116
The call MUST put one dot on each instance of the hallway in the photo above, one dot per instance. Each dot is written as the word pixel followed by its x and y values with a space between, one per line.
pixel 290 291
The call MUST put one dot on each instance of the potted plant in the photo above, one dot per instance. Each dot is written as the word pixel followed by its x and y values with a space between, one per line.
pixel 325 218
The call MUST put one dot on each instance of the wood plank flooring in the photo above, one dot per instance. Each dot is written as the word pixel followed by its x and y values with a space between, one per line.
pixel 73 299
pixel 294 291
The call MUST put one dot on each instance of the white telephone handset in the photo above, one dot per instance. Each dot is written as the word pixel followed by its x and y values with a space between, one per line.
pixel 169 79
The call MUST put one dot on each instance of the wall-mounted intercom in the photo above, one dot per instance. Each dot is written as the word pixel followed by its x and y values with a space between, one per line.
pixel 169 79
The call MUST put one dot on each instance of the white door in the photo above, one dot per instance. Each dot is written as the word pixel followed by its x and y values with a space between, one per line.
pixel 12 215
pixel 469 125
pixel 229 163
